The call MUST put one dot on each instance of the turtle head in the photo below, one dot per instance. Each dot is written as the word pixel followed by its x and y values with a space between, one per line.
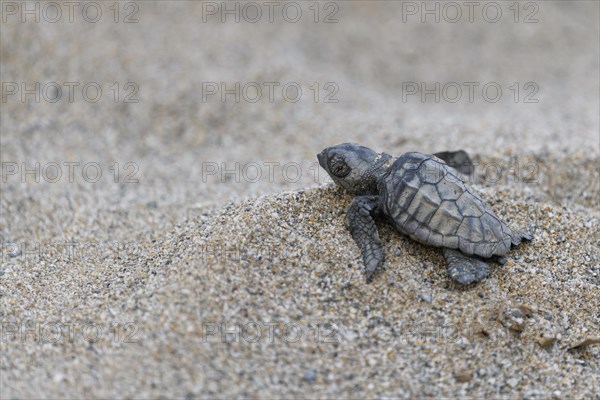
pixel 355 168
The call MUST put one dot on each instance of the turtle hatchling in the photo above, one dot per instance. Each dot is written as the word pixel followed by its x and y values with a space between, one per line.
pixel 425 198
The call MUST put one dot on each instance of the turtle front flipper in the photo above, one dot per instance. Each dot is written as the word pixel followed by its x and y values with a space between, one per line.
pixel 465 269
pixel 458 160
pixel 364 232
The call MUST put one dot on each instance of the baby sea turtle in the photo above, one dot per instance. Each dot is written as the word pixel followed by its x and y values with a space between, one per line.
pixel 425 198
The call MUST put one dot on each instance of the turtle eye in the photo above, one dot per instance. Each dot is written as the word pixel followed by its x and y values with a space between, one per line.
pixel 341 170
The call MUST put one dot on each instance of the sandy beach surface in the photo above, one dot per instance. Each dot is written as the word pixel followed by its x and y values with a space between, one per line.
pixel 167 232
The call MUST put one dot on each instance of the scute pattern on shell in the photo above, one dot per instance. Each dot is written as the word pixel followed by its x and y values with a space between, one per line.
pixel 428 201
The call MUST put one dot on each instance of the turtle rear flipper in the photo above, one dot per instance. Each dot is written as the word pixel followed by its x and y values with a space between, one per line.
pixel 465 269
pixel 519 236
pixel 364 232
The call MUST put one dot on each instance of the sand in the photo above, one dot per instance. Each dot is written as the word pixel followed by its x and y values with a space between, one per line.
pixel 180 272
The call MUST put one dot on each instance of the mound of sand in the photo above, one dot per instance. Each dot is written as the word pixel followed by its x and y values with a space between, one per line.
pixel 264 297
